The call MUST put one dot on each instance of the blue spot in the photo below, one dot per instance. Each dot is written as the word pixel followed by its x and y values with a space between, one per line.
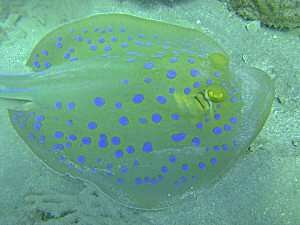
pixel 101 40
pixel 217 130
pixel 86 140
pixel 161 99
pixel 71 50
pixel 93 47
pixel 191 60
pixel 109 166
pixel 213 161
pixel 160 178
pixel 58 147
pixel 58 134
pixel 44 52
pixel 114 39
pixel 209 81
pixel 130 149
pixel 118 105
pixel 196 84
pixel 42 139
pixel 102 143
pixel 217 148
pixel 233 120
pixel 37 126
pixel 98 101
pixel 136 163
pixel 62 158
pixel 175 116
pixel 147 80
pixel 164 169
pixel 187 91
pixel 171 74
pixel 115 140
pixel 70 165
pixel 125 81
pixel 123 169
pixel 129 38
pixel 156 118
pixel 139 43
pixel 178 137
pixel 68 145
pixel 148 65
pixel 225 147
pixel 71 106
pixel 73 59
pixel 171 90
pixel 173 60
pixel 154 181
pixel 81 159
pixel 119 154
pixel 59 45
pixel 138 98
pixel 142 120
pixel 88 41
pixel 120 180
pixel 124 45
pixel 207 118
pixel 58 105
pixel 78 38
pixel 47 64
pixel 227 127
pixel 196 141
pixel 39 118
pixel 147 147
pixel 159 55
pixel 107 48
pixel 217 74
pixel 123 120
pixel 217 116
pixel 69 123
pixel 194 72
pixel 138 181
pixel 185 167
pixel 92 125
pixel 72 137
pixel 234 99
pixel 201 166
pixel 36 64
pixel 67 55
pixel 94 170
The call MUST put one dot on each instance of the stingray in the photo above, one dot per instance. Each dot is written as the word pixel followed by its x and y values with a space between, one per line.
pixel 145 110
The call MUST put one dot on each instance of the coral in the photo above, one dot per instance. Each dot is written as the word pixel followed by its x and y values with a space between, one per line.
pixel 274 13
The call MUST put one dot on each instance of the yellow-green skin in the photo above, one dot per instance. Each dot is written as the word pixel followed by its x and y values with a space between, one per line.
pixel 231 106
pixel 274 13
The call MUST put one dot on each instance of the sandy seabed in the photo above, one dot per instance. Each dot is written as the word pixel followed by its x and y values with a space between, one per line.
pixel 263 187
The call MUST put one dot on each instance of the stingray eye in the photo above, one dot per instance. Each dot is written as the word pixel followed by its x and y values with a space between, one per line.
pixel 215 94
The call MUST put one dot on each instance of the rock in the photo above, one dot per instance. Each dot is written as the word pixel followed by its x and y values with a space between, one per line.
pixel 281 14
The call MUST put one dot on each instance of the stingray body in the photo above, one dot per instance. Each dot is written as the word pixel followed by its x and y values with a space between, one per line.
pixel 145 110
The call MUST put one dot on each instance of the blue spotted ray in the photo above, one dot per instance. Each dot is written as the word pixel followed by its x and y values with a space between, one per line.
pixel 146 110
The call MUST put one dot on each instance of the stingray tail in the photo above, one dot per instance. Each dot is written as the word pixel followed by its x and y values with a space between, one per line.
pixel 15 88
